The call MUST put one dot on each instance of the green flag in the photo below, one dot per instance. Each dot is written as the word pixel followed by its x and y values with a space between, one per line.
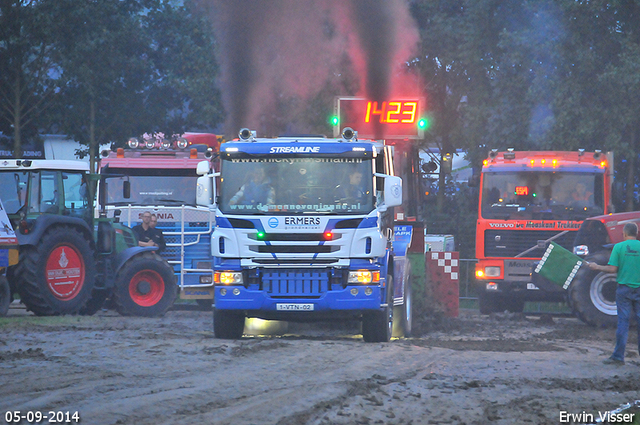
pixel 559 265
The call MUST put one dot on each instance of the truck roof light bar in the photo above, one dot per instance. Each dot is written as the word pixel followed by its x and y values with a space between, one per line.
pixel 510 154
pixel 182 143
pixel 349 135
pixel 247 135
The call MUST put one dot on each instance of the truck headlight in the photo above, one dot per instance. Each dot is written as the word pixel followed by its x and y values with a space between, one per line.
pixel 364 276
pixel 227 278
pixel 492 271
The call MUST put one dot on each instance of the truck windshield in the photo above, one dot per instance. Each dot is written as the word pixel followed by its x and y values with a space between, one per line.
pixel 543 195
pixel 152 186
pixel 296 185
pixel 13 190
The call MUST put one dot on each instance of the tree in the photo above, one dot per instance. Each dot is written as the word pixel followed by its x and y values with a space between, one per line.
pixel 185 68
pixel 26 85
pixel 130 67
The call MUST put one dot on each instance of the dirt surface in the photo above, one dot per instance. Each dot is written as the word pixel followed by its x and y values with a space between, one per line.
pixel 503 369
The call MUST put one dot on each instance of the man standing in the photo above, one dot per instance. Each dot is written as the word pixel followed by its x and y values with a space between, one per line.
pixel 144 232
pixel 158 236
pixel 625 261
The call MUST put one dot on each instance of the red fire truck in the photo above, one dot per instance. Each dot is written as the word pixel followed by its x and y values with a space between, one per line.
pixel 158 174
pixel 528 199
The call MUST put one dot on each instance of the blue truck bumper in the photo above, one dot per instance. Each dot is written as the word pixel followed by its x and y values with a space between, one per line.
pixel 340 300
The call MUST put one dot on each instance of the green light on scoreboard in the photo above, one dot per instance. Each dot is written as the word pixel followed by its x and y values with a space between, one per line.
pixel 335 120
pixel 423 123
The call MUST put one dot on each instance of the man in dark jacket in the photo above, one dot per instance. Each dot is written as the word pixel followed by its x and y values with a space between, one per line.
pixel 158 236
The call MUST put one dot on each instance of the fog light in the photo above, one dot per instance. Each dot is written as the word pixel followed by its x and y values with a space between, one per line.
pixel 236 291
pixel 354 291
pixel 492 286
pixel 206 279
pixel 368 291
pixel 223 291
pixel 492 271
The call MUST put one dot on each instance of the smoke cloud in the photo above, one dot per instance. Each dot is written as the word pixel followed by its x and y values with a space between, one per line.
pixel 275 51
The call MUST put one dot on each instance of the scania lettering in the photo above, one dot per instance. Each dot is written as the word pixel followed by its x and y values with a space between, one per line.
pixel 158 174
pixel 306 237
pixel 528 199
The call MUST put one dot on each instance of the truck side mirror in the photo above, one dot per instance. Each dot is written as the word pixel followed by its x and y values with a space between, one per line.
pixel 392 191
pixel 103 195
pixel 205 190
pixel 126 189
pixel 202 169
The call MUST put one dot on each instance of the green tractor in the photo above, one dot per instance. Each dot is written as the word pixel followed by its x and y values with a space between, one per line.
pixel 70 262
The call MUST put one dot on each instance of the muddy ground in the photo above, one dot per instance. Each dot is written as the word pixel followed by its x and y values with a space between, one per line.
pixel 503 369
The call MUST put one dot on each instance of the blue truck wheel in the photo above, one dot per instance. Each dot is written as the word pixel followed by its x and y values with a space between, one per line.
pixel 377 326
pixel 227 324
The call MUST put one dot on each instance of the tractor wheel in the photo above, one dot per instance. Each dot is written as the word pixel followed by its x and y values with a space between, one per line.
pixel 95 303
pixel 5 296
pixel 57 275
pixel 228 324
pixel 377 326
pixel 593 294
pixel 145 286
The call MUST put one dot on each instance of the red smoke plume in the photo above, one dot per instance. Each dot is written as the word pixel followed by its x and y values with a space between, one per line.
pixel 272 50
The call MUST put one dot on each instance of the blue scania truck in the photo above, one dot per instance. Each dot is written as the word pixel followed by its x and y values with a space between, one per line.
pixel 304 232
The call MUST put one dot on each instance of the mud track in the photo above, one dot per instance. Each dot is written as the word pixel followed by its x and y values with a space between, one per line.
pixel 504 369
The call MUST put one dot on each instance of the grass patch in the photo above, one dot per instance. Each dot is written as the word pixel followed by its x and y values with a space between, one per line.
pixel 18 321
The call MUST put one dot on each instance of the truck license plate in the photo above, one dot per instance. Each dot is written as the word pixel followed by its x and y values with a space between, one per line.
pixel 294 307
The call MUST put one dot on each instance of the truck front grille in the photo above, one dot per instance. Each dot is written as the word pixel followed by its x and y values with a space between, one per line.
pixel 511 243
pixel 300 283
pixel 295 249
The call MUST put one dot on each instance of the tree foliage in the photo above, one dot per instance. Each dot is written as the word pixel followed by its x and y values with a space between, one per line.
pixel 532 74
pixel 109 68
pixel 26 84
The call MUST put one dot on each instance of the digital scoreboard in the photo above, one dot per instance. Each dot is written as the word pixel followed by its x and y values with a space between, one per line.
pixel 396 118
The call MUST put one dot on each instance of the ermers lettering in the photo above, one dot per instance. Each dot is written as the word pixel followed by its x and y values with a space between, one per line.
pixel 311 221
pixel 295 149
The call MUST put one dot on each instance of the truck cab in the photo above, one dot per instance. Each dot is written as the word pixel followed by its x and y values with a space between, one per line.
pixel 303 231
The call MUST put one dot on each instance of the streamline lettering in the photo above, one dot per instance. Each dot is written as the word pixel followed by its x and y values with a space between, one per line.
pixel 295 149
